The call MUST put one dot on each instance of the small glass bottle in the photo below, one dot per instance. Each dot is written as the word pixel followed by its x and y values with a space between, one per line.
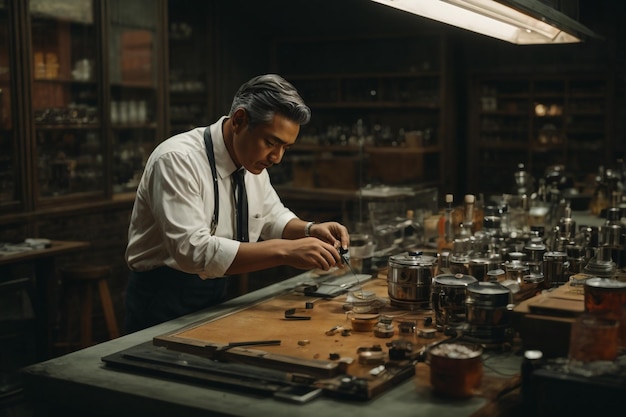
pixel 468 215
pixel 446 236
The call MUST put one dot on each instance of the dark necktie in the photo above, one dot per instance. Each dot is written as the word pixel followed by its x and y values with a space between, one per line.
pixel 242 206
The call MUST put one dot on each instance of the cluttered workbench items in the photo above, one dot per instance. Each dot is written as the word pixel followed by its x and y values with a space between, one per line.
pixel 336 334
pixel 518 274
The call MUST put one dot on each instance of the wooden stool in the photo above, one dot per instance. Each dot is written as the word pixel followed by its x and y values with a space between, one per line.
pixel 81 281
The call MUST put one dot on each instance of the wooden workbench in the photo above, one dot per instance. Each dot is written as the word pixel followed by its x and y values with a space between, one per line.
pixel 81 382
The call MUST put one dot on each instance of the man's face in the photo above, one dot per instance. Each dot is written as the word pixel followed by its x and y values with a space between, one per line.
pixel 265 145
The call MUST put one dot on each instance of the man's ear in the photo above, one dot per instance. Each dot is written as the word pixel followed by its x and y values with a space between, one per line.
pixel 240 119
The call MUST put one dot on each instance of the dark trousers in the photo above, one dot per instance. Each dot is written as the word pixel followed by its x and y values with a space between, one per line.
pixel 163 294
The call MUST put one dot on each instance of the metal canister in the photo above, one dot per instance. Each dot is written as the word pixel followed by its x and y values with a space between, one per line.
pixel 488 307
pixel 515 270
pixel 409 278
pixel 533 360
pixel 555 267
pixel 606 297
pixel 575 258
pixel 478 268
pixel 535 249
pixel 448 299
pixel 601 265
pixel 496 275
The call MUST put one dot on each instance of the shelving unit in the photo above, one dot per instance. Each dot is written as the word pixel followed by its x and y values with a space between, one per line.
pixel 189 65
pixel 379 112
pixel 10 168
pixel 539 121
pixel 86 100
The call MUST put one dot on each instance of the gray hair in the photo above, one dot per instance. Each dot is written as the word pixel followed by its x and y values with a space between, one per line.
pixel 265 95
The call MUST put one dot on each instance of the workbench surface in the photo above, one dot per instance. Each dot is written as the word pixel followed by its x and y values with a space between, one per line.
pixel 81 382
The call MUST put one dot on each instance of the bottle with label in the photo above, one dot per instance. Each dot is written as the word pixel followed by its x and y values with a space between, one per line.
pixel 445 229
pixel 468 216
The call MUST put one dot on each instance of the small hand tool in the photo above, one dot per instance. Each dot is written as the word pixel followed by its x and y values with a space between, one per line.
pixel 297 314
pixel 254 343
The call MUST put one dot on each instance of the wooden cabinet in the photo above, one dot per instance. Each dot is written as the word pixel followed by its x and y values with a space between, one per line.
pixel 379 113
pixel 136 94
pixel 190 63
pixel 539 121
pixel 66 101
pixel 89 105
pixel 10 168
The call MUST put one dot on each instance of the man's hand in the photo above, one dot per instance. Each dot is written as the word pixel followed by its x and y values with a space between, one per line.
pixel 311 253
pixel 333 233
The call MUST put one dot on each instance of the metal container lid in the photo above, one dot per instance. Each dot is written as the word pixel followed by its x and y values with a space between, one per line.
pixel 488 294
pixel 554 255
pixel 454 280
pixel 488 288
pixel 412 259
pixel 515 266
pixel 608 283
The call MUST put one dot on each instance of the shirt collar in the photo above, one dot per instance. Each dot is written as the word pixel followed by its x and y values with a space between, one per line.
pixel 223 162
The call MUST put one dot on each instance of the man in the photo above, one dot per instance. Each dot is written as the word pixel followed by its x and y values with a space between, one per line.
pixel 185 238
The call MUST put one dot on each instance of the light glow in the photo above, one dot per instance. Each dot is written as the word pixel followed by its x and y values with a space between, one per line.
pixel 487 17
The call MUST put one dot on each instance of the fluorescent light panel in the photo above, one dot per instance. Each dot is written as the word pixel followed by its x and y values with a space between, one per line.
pixel 487 17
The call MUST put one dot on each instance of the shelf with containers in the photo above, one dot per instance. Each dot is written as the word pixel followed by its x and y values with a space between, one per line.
pixel 190 36
pixel 66 102
pixel 88 105
pixel 378 111
pixel 136 73
pixel 539 121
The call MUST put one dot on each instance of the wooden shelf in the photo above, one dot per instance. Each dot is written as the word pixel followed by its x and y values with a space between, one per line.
pixel 381 102
pixel 513 100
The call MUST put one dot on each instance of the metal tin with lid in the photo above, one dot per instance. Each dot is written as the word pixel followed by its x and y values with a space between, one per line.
pixel 409 277
pixel 448 298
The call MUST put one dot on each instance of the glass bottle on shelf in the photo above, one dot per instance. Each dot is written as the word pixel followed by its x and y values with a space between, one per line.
pixel 445 226
pixel 66 100
pixel 133 53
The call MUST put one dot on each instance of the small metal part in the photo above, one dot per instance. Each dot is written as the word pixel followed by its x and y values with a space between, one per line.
pixel 297 314
pixel 308 305
pixel 428 321
pixel 383 332
pixel 384 328
pixel 371 357
pixel 378 370
pixel 333 356
pixel 345 332
pixel 373 348
pixel 400 349
pixel 427 333
pixel 333 331
pixel 304 342
pixel 345 255
pixel 347 360
pixel 303 288
pixel 254 343
pixel 406 327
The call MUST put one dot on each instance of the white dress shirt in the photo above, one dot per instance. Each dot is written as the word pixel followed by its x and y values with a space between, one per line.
pixel 171 217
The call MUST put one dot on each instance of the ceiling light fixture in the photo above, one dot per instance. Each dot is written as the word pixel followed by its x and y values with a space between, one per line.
pixel 520 22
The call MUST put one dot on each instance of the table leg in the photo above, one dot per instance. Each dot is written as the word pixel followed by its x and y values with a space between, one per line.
pixel 46 305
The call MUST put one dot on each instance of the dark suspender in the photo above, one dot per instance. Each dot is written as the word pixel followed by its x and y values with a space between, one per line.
pixel 208 142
